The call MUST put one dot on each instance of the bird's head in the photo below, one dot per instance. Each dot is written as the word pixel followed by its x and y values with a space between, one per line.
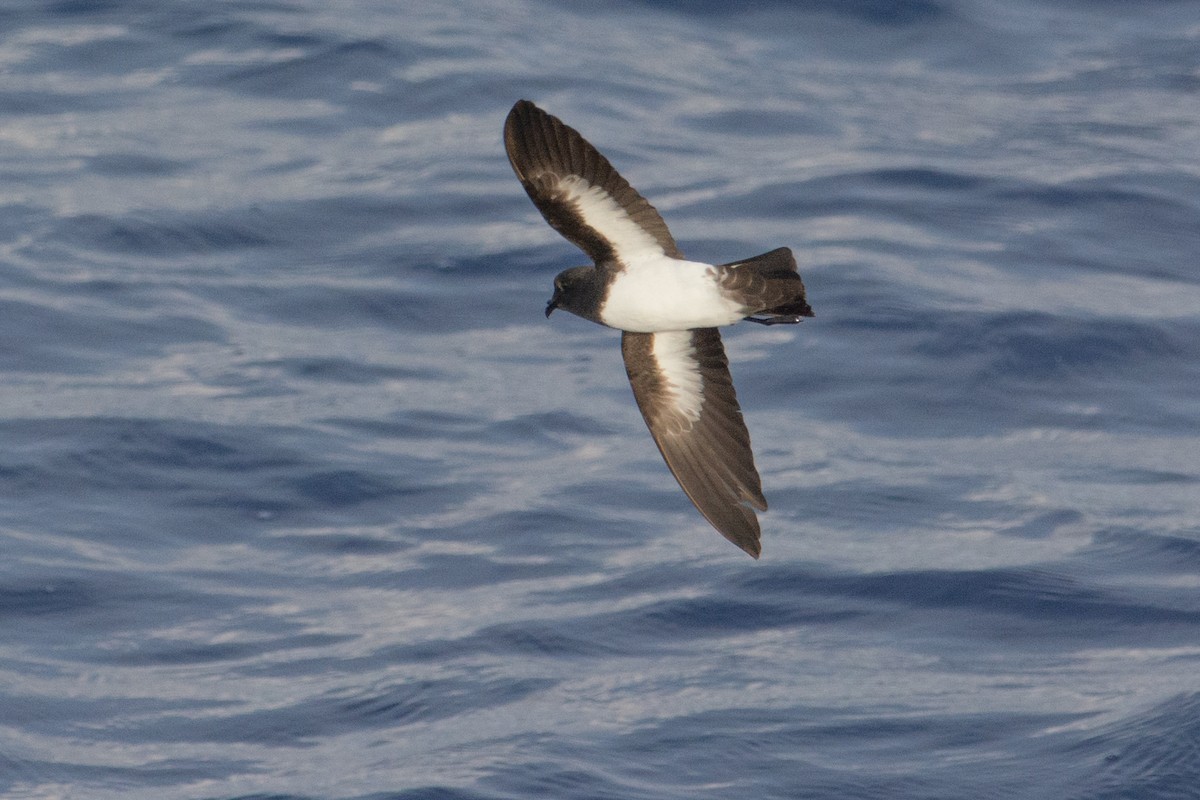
pixel 577 290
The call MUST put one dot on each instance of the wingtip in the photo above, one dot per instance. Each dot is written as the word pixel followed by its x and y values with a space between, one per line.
pixel 748 541
pixel 746 536
pixel 524 120
pixel 521 108
pixel 510 120
pixel 750 544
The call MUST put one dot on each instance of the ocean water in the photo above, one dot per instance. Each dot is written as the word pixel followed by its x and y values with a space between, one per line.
pixel 301 496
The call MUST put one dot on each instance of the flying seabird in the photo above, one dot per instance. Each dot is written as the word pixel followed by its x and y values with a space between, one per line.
pixel 667 308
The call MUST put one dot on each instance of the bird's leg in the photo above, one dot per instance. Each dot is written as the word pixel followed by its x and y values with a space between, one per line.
pixel 779 319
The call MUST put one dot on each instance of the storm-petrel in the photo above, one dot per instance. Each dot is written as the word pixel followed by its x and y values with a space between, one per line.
pixel 668 309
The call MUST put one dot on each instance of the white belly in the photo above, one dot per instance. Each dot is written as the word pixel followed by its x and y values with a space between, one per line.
pixel 667 294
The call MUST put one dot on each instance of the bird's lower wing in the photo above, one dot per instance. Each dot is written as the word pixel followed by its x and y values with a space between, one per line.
pixel 682 385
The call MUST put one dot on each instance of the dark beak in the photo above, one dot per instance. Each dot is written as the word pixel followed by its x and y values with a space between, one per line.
pixel 550 307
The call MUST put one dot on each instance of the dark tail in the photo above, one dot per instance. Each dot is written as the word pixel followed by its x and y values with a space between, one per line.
pixel 770 287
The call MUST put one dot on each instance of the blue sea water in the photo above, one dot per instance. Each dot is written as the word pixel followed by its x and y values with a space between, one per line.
pixel 302 497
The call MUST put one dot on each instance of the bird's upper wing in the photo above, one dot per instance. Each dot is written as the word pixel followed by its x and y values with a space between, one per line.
pixel 578 191
pixel 682 385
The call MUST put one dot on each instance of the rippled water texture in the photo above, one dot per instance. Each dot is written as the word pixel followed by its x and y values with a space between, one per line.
pixel 303 497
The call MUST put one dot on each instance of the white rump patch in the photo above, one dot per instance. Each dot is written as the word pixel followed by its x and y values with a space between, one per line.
pixel 601 212
pixel 677 362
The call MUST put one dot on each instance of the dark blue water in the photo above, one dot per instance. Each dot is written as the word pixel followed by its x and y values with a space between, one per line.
pixel 302 497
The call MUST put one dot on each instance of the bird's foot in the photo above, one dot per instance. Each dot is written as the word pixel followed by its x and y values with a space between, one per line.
pixel 776 319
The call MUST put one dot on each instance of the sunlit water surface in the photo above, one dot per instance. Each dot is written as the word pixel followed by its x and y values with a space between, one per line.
pixel 302 497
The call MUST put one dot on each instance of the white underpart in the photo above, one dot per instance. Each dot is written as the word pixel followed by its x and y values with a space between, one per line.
pixel 677 362
pixel 602 213
pixel 653 292
pixel 661 293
